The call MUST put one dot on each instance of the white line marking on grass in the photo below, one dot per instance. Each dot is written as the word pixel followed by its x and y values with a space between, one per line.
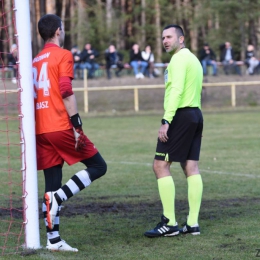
pixel 201 170
pixel 231 173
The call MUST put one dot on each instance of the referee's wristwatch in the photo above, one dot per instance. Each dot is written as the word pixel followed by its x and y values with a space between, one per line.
pixel 165 122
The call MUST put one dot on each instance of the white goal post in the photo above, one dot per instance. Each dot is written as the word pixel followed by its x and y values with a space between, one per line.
pixel 28 143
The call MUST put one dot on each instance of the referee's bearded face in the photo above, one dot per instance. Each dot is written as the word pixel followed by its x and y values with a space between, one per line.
pixel 171 41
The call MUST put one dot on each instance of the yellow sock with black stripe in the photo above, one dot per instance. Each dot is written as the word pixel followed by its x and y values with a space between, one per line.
pixel 167 194
pixel 195 189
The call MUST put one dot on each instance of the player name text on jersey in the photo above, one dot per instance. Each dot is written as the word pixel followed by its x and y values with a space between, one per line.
pixel 41 57
pixel 42 105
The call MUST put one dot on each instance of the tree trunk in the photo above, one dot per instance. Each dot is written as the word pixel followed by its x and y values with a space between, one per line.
pixel 242 41
pixel 143 23
pixel 117 22
pixel 136 24
pixel 63 10
pixel 1 37
pixel 37 15
pixel 73 33
pixel 100 20
pixel 34 28
pixel 10 22
pixel 217 21
pixel 122 26
pixel 82 20
pixel 109 14
pixel 129 24
pixel 253 34
pixel 178 13
pixel 257 36
pixel 158 33
pixel 203 32
pixel 51 6
pixel 194 30
pixel 42 8
pixel 194 40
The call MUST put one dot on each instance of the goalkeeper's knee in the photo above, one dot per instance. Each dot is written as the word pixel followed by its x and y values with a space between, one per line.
pixel 97 171
pixel 96 166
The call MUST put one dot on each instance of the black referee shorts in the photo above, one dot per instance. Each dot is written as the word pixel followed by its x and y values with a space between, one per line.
pixel 184 133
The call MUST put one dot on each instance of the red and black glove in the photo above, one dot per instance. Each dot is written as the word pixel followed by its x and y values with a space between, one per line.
pixel 80 138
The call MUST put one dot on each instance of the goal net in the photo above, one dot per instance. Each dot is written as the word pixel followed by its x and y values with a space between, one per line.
pixel 18 202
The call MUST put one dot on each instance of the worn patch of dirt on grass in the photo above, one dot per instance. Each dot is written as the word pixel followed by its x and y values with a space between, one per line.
pixel 210 209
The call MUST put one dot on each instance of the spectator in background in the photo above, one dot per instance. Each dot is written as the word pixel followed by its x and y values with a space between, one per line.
pixel 227 58
pixel 136 62
pixel 148 56
pixel 87 57
pixel 12 58
pixel 113 58
pixel 251 61
pixel 208 58
pixel 76 56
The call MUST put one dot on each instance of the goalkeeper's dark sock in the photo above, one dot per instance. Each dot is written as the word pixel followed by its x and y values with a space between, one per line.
pixel 77 183
pixel 52 235
pixel 195 188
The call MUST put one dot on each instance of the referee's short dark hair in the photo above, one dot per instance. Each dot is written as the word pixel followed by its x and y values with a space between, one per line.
pixel 48 25
pixel 177 28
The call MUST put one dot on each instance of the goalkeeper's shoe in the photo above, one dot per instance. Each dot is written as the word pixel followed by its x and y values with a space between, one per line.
pixel 162 229
pixel 60 246
pixel 193 230
pixel 52 208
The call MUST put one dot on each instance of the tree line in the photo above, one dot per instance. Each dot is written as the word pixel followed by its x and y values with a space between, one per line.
pixel 124 22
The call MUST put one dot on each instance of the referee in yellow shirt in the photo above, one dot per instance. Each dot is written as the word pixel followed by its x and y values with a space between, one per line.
pixel 179 137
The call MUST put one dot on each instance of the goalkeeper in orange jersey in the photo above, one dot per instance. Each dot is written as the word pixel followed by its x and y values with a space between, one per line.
pixel 59 132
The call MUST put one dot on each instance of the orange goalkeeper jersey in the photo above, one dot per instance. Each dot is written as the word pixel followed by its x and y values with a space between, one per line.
pixel 49 65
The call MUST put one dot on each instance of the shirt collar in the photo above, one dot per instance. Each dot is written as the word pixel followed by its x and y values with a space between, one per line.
pixel 49 45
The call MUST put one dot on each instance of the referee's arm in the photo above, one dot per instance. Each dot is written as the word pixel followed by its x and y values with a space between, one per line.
pixel 174 88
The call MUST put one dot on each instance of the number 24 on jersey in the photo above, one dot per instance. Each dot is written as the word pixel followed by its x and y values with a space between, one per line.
pixel 43 80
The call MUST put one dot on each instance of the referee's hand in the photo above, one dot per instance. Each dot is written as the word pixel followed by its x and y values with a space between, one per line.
pixel 162 134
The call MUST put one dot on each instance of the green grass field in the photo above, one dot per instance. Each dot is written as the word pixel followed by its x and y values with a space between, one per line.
pixel 107 220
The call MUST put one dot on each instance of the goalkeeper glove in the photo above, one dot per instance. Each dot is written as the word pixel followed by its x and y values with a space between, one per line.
pixel 80 137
